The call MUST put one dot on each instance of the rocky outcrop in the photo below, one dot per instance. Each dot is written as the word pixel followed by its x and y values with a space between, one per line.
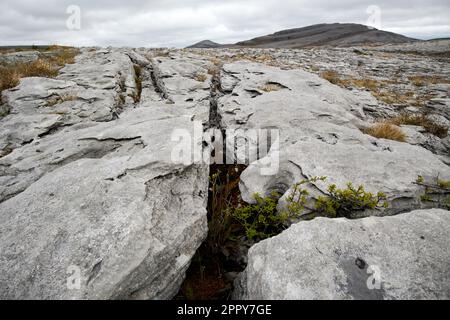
pixel 99 202
pixel 319 127
pixel 94 205
pixel 400 257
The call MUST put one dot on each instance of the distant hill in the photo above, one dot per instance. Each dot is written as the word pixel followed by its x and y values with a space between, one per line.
pixel 205 44
pixel 335 34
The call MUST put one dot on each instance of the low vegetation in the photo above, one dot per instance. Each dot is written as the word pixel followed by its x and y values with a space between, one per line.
pixel 60 99
pixel 262 220
pixel 235 225
pixel 47 66
pixel 343 202
pixel 436 190
pixel 385 130
pixel 422 120
pixel 270 87
pixel 201 77
pixel 381 90
pixel 422 80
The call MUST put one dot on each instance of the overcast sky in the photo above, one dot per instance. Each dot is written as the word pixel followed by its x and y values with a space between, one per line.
pixel 170 23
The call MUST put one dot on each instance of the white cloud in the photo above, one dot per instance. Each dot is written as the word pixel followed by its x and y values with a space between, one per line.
pixel 180 23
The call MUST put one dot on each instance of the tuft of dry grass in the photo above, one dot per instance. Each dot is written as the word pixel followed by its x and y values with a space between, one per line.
pixel 9 78
pixel 380 91
pixel 331 76
pixel 420 120
pixel 384 130
pixel 270 87
pixel 201 77
pixel 372 85
pixel 38 68
pixel 60 99
pixel 422 80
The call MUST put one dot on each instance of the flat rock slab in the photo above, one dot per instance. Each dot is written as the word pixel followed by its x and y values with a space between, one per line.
pixel 400 257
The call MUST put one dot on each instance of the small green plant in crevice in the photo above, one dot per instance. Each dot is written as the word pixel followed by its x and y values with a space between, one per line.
pixel 262 220
pixel 343 202
pixel 436 190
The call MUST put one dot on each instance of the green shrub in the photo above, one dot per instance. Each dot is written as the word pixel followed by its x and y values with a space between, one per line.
pixel 261 220
pixel 342 202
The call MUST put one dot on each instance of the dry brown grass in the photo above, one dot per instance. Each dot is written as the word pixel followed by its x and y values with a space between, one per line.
pixel 385 130
pixel 60 99
pixel 45 67
pixel 422 80
pixel 9 78
pixel 201 77
pixel 331 76
pixel 270 87
pixel 420 120
pixel 381 90
pixel 394 97
pixel 334 77
pixel 48 66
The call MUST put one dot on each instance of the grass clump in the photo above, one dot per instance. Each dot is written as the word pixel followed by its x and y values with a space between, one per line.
pixel 420 120
pixel 9 78
pixel 388 131
pixel 331 76
pixel 271 87
pixel 201 77
pixel 60 99
pixel 422 80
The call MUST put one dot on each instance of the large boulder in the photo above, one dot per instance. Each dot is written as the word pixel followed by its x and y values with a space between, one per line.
pixel 399 257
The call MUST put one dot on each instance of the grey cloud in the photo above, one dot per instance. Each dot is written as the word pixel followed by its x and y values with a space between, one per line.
pixel 180 23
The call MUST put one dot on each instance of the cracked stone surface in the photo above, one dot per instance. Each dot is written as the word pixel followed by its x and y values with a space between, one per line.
pixel 87 179
pixel 102 196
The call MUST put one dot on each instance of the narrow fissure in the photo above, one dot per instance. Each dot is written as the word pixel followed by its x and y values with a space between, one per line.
pixel 223 255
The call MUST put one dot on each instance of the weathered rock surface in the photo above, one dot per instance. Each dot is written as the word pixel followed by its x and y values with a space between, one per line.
pixel 401 257
pixel 105 198
pixel 88 183
pixel 319 135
